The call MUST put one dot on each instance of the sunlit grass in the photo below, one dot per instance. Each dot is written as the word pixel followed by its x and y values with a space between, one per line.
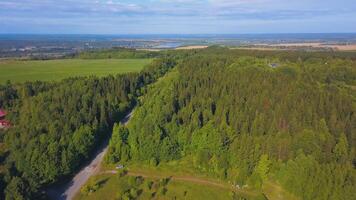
pixel 48 70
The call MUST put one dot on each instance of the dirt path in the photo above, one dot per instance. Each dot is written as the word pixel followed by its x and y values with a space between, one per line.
pixel 69 190
pixel 184 179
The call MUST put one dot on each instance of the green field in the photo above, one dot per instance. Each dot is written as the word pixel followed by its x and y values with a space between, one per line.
pixel 21 71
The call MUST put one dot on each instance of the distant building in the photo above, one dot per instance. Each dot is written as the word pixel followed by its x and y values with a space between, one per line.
pixel 4 124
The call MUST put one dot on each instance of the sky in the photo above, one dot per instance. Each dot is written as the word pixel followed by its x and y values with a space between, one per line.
pixel 177 16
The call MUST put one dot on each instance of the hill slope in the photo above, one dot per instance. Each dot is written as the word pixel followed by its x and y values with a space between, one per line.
pixel 240 119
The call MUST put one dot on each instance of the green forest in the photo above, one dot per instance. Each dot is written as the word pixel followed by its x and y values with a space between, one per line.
pixel 117 53
pixel 241 116
pixel 57 125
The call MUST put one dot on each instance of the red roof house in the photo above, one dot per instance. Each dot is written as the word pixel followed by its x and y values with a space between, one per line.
pixel 4 124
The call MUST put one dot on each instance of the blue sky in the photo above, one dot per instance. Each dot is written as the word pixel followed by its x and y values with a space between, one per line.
pixel 177 16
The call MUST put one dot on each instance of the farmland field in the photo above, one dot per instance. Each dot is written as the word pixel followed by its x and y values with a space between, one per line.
pixel 21 71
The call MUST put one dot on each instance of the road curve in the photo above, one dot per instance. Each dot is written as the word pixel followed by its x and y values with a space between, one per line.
pixel 68 190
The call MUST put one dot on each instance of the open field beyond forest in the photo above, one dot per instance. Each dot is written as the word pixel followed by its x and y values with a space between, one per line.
pixel 316 45
pixel 21 71
pixel 346 47
pixel 192 47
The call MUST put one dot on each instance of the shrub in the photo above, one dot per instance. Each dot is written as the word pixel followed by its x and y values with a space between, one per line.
pixel 149 184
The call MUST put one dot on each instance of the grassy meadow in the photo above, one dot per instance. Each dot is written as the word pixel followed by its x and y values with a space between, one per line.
pixel 134 187
pixel 166 181
pixel 48 70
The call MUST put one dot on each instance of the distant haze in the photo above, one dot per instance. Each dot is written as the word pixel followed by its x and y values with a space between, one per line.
pixel 215 38
pixel 177 16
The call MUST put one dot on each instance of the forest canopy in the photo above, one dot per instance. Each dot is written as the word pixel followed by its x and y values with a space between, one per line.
pixel 251 118
pixel 248 117
pixel 58 125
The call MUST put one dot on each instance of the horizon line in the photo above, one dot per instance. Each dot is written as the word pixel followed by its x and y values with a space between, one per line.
pixel 113 34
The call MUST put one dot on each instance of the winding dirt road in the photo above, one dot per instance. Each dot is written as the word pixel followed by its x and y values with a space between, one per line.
pixel 69 190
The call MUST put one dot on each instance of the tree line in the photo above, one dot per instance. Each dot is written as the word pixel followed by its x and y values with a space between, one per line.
pixel 117 53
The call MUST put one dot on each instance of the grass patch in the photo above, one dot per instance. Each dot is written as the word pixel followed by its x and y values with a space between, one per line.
pixel 274 191
pixel 48 70
pixel 135 187
pixel 161 182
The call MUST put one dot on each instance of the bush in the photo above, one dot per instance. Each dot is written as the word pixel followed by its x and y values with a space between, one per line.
pixel 90 188
pixel 154 162
pixel 163 191
pixel 139 180
pixel 132 181
pixel 149 184
pixel 164 181
pixel 121 173
pixel 134 193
